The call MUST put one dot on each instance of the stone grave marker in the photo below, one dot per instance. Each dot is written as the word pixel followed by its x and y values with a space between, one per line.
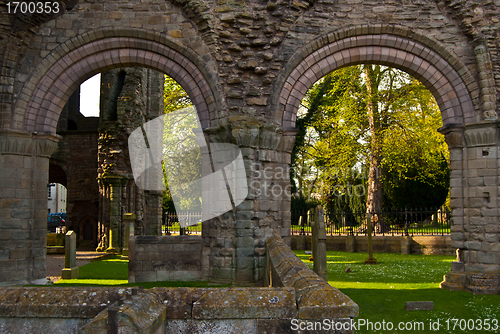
pixel 129 219
pixel 70 270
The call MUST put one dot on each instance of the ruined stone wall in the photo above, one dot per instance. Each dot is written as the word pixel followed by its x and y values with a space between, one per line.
pixel 129 98
pixel 246 66
pixel 77 155
pixel 164 258
pixel 429 245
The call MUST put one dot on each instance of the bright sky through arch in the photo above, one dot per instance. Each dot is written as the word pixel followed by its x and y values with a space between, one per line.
pixel 90 92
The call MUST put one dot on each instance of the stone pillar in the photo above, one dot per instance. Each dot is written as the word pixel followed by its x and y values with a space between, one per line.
pixel 24 166
pixel 234 243
pixel 70 270
pixel 319 243
pixel 115 222
pixel 129 219
pixel 474 159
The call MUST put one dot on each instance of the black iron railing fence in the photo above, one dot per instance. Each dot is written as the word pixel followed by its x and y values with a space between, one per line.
pixel 398 222
pixel 171 223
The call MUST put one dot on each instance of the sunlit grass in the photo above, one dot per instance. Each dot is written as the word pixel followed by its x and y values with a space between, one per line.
pixel 381 290
pixel 114 272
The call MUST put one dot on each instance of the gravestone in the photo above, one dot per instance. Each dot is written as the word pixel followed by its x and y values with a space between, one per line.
pixel 70 270
pixel 129 219
pixel 319 243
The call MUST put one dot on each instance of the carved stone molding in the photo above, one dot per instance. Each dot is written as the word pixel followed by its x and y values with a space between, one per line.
pixel 481 134
pixel 25 143
pixel 45 145
pixel 480 137
pixel 16 145
pixel 453 136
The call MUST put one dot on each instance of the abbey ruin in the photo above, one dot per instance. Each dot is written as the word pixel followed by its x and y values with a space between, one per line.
pixel 246 66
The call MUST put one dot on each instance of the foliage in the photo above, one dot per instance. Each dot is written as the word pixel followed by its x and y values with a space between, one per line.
pixel 177 141
pixel 174 96
pixel 301 204
pixel 336 140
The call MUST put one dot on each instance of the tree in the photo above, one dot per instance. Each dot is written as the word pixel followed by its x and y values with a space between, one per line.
pixel 175 98
pixel 369 118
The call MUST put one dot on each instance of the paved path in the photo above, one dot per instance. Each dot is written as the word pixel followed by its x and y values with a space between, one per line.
pixel 55 262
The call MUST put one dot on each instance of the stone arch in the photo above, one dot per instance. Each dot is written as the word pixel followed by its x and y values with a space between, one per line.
pixel 448 79
pixel 45 93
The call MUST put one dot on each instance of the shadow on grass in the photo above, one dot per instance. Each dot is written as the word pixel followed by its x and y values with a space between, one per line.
pixel 378 305
pixel 335 259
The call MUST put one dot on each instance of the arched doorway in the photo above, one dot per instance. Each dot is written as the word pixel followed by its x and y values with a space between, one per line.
pixel 87 231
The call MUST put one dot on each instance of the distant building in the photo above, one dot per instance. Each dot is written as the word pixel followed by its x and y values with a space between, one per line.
pixel 56 198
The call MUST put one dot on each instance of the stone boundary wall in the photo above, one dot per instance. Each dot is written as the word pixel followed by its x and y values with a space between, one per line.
pixel 315 298
pixel 53 310
pixel 164 258
pixel 429 245
pixel 103 310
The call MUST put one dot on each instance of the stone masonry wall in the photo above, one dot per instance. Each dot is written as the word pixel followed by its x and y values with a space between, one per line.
pixel 165 258
pixel 429 245
pixel 246 66
pixel 77 155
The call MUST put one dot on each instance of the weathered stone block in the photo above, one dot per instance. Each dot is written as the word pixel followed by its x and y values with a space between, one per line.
pixel 19 253
pixel 487 257
pixel 223 274
pixel 246 303
pixel 245 262
pixel 457 267
pixel 245 242
pixel 145 276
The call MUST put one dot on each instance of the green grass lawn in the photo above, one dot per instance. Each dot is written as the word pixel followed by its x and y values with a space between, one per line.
pixel 381 291
pixel 114 272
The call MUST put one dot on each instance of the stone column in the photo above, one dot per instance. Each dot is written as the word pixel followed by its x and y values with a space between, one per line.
pixel 234 243
pixel 129 219
pixel 474 200
pixel 24 166
pixel 115 225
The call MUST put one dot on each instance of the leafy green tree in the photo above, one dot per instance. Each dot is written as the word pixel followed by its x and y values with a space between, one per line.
pixel 174 96
pixel 365 126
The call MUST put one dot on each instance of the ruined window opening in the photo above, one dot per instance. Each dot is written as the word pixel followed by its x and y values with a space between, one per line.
pixel 345 182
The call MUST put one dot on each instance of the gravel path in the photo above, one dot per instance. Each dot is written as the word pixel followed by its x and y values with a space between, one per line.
pixel 55 262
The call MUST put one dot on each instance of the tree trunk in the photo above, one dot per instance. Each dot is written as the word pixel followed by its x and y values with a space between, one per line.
pixel 374 194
